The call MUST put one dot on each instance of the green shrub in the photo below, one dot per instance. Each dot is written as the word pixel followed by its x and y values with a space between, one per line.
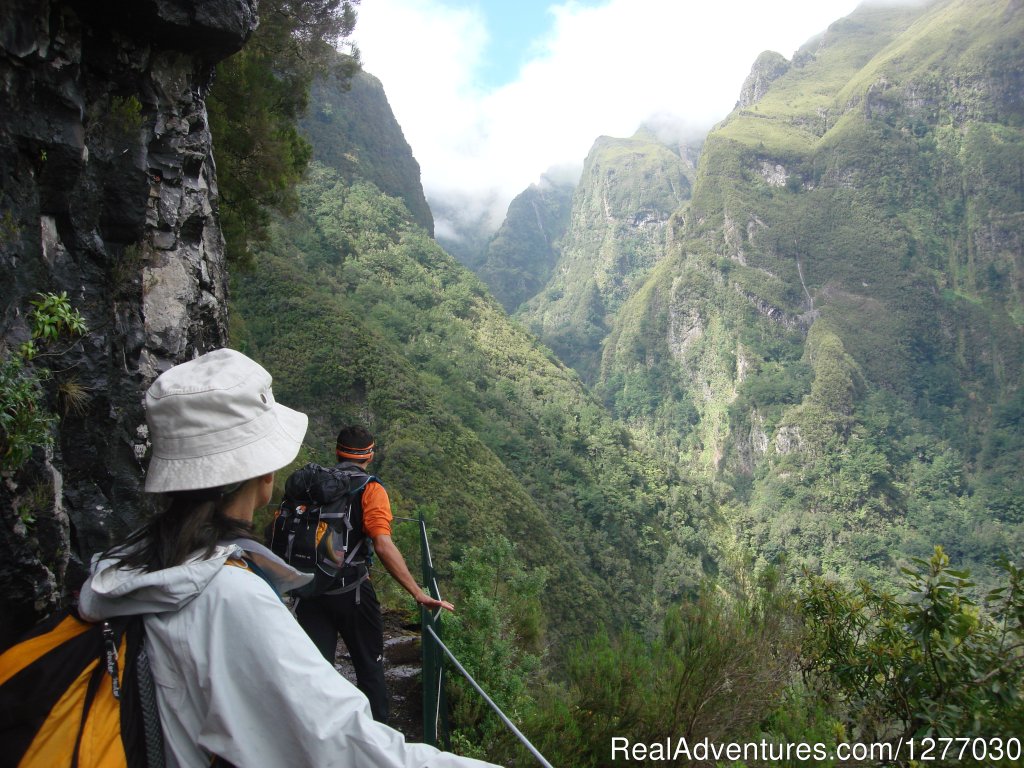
pixel 25 423
pixel 25 420
pixel 932 663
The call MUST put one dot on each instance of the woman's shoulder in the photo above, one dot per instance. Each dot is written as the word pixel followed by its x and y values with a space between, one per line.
pixel 234 588
pixel 239 575
pixel 238 601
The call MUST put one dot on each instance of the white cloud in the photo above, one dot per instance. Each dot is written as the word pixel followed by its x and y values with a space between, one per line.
pixel 600 71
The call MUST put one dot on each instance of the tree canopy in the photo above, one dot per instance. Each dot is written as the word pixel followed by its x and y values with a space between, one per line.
pixel 256 100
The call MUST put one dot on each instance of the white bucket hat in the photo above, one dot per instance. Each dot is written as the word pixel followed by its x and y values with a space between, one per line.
pixel 213 422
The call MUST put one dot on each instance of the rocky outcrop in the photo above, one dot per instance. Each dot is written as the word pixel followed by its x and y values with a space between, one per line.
pixel 768 68
pixel 617 233
pixel 109 194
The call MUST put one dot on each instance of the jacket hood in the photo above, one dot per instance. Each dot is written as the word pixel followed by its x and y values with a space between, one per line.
pixel 113 591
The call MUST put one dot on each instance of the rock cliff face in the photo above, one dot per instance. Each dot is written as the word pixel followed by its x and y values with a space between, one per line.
pixel 519 259
pixel 768 68
pixel 616 234
pixel 108 194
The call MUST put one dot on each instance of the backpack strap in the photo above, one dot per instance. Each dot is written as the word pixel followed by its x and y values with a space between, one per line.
pixel 248 564
pixel 348 586
pixel 125 649
pixel 263 562
pixel 153 734
pixel 351 559
pixel 351 469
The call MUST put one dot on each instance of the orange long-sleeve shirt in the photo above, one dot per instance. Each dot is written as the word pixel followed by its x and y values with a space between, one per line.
pixel 376 510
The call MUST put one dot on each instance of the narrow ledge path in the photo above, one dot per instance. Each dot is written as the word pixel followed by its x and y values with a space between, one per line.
pixel 402 668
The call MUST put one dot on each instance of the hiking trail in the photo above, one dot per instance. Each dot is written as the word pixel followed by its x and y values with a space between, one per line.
pixel 402 666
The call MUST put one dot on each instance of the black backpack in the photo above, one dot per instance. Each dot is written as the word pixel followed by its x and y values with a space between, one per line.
pixel 313 529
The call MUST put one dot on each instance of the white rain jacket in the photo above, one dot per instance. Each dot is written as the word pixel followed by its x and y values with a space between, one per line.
pixel 237 677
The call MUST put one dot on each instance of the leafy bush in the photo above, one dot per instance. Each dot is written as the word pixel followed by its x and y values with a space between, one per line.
pixel 932 663
pixel 497 634
pixel 25 420
pixel 25 423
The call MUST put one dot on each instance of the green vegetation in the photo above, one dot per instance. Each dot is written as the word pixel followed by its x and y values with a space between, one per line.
pixel 812 362
pixel 716 669
pixel 9 229
pixel 352 130
pixel 628 190
pixel 360 316
pixel 499 630
pixel 520 257
pixel 26 422
pixel 254 106
pixel 51 317
pixel 820 663
pixel 125 114
pixel 836 338
pixel 933 663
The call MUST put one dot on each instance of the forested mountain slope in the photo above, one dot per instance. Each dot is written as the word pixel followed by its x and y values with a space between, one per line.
pixel 360 315
pixel 518 260
pixel 374 148
pixel 616 234
pixel 836 330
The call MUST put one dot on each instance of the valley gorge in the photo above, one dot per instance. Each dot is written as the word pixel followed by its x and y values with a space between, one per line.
pixel 640 420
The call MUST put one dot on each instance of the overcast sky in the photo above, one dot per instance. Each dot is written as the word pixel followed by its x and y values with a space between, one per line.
pixel 492 93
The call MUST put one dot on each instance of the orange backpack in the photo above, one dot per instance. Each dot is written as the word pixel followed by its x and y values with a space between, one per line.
pixel 79 693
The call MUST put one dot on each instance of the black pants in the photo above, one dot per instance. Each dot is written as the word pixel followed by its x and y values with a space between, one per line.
pixel 361 627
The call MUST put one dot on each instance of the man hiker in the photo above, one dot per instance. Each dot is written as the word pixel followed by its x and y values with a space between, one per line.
pixel 352 609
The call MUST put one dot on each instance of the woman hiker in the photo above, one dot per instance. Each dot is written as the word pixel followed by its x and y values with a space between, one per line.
pixel 236 677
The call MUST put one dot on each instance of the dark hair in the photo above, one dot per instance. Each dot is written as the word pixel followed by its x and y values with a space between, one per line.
pixel 354 436
pixel 193 521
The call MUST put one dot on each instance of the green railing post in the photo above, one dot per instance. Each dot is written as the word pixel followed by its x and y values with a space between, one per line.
pixel 435 705
pixel 431 680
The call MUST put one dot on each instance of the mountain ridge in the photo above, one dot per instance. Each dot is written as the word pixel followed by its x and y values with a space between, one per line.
pixel 846 273
pixel 479 427
pixel 621 206
pixel 354 131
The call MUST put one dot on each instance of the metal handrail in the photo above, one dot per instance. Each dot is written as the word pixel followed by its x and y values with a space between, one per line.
pixel 428 622
pixel 431 720
pixel 504 718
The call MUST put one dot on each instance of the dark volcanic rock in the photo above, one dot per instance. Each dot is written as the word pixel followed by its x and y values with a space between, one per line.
pixel 108 193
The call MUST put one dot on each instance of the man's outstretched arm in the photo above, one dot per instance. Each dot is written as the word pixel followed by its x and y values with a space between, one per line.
pixel 392 559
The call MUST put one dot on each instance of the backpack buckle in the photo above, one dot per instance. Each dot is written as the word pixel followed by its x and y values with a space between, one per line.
pixel 110 646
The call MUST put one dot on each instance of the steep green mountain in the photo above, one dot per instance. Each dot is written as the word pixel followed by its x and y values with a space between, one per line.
pixel 354 131
pixel 358 314
pixel 835 327
pixel 627 192
pixel 518 260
